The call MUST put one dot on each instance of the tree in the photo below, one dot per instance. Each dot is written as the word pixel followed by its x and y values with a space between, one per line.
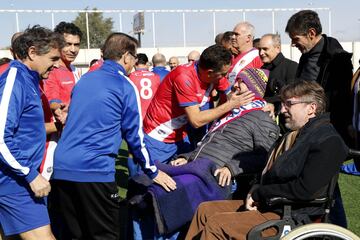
pixel 99 28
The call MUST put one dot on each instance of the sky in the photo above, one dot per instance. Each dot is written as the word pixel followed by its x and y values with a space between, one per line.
pixel 345 22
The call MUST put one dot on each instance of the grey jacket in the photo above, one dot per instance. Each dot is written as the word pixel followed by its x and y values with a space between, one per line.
pixel 241 145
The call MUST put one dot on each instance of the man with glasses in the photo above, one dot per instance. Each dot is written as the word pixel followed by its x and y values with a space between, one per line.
pixel 180 98
pixel 292 170
pixel 324 60
pixel 248 56
pixel 104 108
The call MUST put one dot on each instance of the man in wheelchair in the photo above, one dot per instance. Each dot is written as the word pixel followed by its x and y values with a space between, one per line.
pixel 300 168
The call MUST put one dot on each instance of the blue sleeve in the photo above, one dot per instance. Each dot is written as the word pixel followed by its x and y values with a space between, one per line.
pixel 12 106
pixel 132 130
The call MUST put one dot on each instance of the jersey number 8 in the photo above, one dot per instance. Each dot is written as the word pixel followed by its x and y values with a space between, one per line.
pixel 146 91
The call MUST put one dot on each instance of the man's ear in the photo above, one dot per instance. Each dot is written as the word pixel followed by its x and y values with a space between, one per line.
pixel 125 57
pixel 32 52
pixel 209 71
pixel 312 33
pixel 312 108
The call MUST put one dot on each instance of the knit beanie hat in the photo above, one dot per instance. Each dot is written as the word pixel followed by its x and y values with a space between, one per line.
pixel 255 79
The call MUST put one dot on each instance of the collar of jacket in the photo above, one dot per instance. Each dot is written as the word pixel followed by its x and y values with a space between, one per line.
pixel 114 67
pixel 276 62
pixel 33 75
pixel 315 122
pixel 332 46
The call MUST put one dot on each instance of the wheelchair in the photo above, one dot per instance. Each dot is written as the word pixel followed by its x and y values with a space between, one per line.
pixel 297 226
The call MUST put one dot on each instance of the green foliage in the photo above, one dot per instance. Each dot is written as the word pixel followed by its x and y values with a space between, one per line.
pixel 99 28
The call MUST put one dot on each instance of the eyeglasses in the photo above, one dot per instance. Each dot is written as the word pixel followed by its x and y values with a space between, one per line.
pixel 289 103
pixel 134 55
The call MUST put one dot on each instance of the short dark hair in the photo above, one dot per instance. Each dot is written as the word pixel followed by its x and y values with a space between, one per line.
pixel 227 36
pixel 69 28
pixel 306 90
pixel 215 57
pixel 117 44
pixel 302 21
pixel 4 60
pixel 256 42
pixel 219 38
pixel 142 59
pixel 92 62
pixel 41 38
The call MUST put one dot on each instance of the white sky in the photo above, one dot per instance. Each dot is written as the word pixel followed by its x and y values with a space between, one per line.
pixel 345 20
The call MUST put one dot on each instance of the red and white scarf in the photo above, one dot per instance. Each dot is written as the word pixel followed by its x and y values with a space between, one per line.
pixel 256 104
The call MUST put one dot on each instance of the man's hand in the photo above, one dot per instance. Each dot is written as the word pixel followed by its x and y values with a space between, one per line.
pixel 224 176
pixel 40 186
pixel 250 204
pixel 61 112
pixel 270 108
pixel 165 181
pixel 237 99
pixel 178 162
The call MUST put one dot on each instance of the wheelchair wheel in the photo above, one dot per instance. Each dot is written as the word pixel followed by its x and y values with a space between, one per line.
pixel 320 231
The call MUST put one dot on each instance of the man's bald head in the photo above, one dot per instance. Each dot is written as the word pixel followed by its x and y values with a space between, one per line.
pixel 193 56
pixel 159 60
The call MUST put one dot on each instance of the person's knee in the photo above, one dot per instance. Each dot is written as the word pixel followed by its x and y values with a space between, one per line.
pixel 204 211
pixel 43 233
pixel 213 225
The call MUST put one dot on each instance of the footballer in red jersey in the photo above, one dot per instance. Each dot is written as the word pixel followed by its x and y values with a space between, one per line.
pixel 179 99
pixel 146 82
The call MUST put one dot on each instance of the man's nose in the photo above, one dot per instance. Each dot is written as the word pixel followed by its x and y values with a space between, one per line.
pixel 72 48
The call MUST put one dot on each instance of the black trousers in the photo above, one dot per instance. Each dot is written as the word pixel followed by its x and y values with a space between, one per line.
pixel 84 210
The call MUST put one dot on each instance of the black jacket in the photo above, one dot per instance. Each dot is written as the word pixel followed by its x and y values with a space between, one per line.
pixel 305 170
pixel 282 72
pixel 335 77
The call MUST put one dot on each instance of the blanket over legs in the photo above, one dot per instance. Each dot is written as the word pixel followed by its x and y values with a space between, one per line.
pixel 195 184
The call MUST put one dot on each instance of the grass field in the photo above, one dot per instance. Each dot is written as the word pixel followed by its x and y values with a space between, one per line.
pixel 350 190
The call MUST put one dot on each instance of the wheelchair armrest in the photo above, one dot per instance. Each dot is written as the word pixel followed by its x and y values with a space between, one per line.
pixel 281 226
pixel 284 201
pixel 353 153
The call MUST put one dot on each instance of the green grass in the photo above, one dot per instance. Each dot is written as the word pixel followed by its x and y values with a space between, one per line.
pixel 122 173
pixel 350 191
